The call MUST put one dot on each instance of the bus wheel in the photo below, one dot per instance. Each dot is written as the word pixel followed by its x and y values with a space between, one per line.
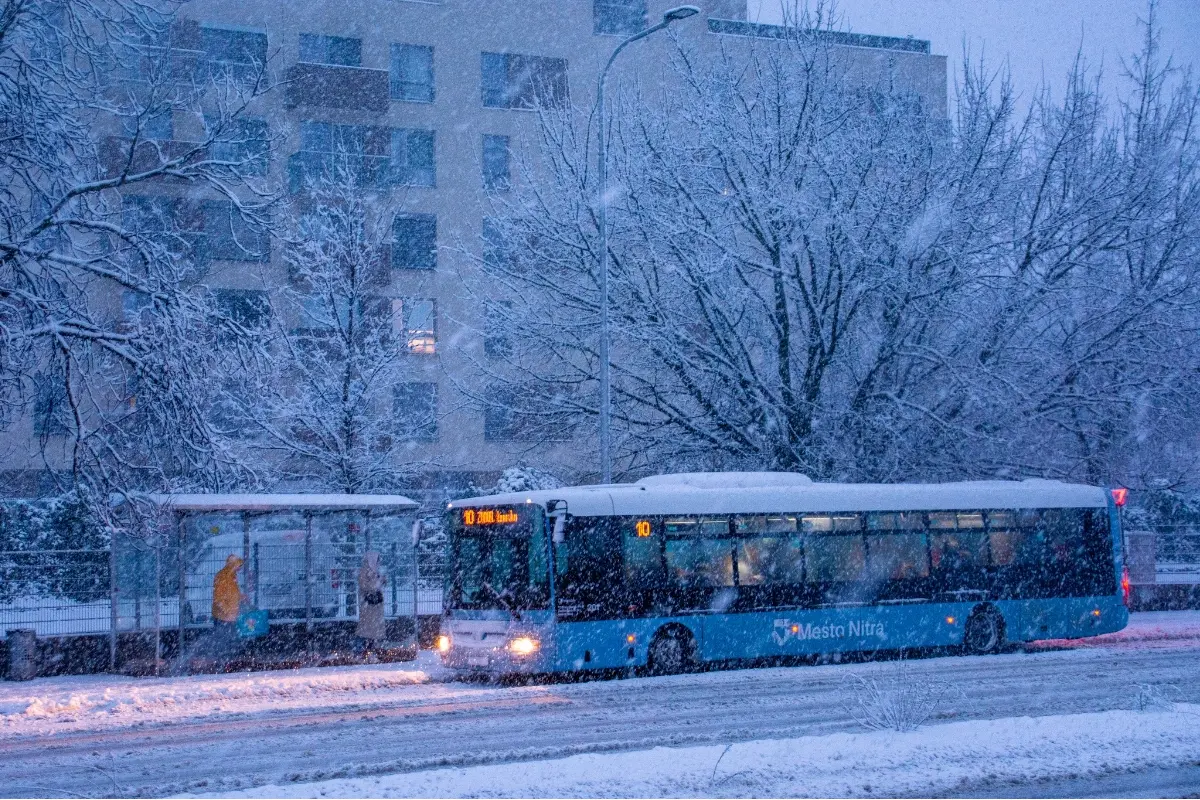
pixel 672 651
pixel 985 632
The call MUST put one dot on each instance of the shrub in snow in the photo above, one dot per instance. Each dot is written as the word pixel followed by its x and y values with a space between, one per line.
pixel 1156 697
pixel 895 698
pixel 524 479
pixel 34 538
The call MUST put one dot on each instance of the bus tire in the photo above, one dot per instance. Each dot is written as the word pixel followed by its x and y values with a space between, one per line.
pixel 985 631
pixel 673 651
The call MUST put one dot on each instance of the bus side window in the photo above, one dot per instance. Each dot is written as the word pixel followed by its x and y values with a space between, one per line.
pixel 1004 537
pixel 769 550
pixel 834 557
pixel 898 555
pixel 957 540
pixel 697 560
pixel 897 546
pixel 770 560
pixel 642 553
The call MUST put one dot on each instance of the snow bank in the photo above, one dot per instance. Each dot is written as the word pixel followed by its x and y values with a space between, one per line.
pixel 94 702
pixel 953 757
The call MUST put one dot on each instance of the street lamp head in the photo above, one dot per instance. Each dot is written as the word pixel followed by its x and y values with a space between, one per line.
pixel 678 13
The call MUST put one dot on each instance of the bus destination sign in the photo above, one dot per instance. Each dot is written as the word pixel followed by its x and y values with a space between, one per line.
pixel 477 517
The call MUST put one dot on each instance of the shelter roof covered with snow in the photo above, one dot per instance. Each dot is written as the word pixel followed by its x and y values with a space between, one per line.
pixel 282 502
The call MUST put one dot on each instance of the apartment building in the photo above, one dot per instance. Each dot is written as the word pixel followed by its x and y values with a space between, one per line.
pixel 435 96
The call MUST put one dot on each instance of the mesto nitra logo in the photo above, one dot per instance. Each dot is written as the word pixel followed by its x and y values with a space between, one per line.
pixel 785 630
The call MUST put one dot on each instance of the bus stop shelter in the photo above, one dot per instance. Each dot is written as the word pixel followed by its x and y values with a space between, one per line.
pixel 301 554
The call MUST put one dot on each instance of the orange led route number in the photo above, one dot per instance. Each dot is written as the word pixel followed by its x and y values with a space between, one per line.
pixel 488 516
pixel 643 528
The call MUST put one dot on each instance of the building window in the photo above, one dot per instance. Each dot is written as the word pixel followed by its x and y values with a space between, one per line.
pixel 374 156
pixel 415 323
pixel 496 173
pixel 501 421
pixel 618 16
pixel 158 126
pixel 225 46
pixel 336 50
pixel 509 80
pixel 229 237
pixel 327 137
pixel 412 157
pixel 415 409
pixel 497 252
pixel 412 73
pixel 244 142
pixel 414 241
pixel 249 308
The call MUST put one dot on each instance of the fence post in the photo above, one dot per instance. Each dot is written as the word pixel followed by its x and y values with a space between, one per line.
pixel 416 585
pixel 113 599
pixel 254 566
pixel 392 582
pixel 157 604
pixel 251 576
pixel 308 580
pixel 182 582
pixel 137 590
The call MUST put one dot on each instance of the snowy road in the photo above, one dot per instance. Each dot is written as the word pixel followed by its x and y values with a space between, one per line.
pixel 97 736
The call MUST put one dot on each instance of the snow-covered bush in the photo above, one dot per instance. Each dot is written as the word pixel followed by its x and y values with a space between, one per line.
pixel 524 479
pixel 895 697
pixel 40 550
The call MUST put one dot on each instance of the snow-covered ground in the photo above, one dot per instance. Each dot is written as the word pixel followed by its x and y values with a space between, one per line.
pixel 938 759
pixel 99 702
pixel 418 733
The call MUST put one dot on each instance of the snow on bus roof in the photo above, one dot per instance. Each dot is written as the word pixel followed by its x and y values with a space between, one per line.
pixel 282 502
pixel 742 493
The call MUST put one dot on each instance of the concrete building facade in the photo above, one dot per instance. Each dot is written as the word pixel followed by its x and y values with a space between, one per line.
pixel 437 95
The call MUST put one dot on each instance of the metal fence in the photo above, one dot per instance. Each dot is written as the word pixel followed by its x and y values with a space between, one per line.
pixel 136 587
pixel 1164 554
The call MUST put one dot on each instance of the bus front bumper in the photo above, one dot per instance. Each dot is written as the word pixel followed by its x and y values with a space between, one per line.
pixel 497 648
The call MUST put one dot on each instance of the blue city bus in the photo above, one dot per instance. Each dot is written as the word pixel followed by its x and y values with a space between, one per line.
pixel 675 571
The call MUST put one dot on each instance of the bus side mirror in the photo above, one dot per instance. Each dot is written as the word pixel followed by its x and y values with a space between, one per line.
pixel 560 523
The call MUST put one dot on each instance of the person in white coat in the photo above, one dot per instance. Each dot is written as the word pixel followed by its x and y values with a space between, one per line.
pixel 371 630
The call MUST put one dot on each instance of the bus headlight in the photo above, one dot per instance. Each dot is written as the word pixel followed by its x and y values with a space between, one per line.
pixel 524 645
pixel 443 644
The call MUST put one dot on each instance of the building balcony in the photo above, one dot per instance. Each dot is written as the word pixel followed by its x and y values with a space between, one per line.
pixel 329 86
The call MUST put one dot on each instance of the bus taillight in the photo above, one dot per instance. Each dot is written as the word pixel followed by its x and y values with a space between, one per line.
pixel 1126 586
pixel 1119 496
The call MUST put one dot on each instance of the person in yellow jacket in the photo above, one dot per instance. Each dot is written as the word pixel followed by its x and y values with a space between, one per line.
pixel 227 595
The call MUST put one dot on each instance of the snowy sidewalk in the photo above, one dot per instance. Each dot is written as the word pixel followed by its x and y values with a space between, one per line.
pixel 940 759
pixel 91 702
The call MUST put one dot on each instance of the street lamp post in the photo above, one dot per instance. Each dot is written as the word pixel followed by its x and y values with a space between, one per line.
pixel 606 458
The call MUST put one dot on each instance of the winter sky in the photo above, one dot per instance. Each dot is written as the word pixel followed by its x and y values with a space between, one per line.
pixel 1037 37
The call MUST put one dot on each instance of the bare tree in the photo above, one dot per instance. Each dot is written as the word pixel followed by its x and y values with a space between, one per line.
pixel 763 230
pixel 126 146
pixel 812 274
pixel 342 401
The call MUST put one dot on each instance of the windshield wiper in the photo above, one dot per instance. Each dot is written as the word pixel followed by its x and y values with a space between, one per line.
pixel 507 606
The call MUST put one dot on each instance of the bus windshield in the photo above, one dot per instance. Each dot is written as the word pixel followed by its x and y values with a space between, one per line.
pixel 498 559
